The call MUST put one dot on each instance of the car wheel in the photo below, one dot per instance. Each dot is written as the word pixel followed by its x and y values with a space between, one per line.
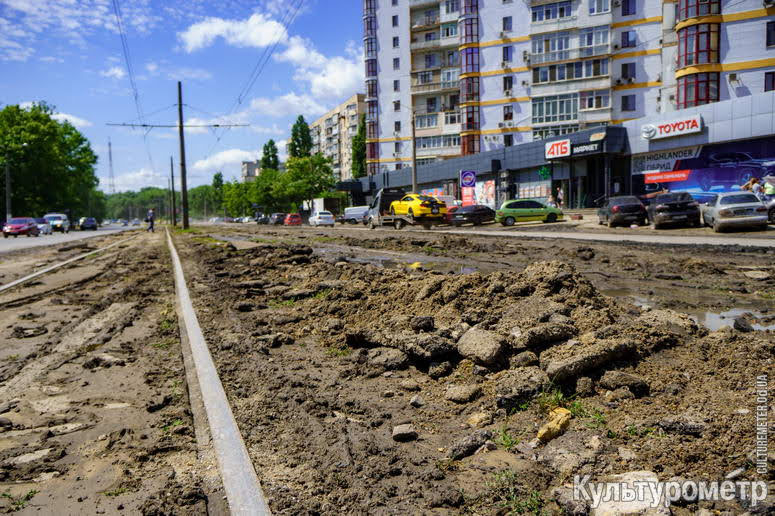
pixel 644 222
pixel 509 221
pixel 370 224
pixel 426 227
pixel 552 217
pixel 610 223
pixel 600 221
pixel 716 227
pixel 772 215
pixel 657 225
pixel 410 212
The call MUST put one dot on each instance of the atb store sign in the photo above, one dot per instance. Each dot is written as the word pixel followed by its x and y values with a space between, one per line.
pixel 672 128
pixel 558 149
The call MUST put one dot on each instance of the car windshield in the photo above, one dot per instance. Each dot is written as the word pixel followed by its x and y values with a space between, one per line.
pixel 674 197
pixel 739 199
pixel 324 213
pixel 627 199
pixel 704 197
pixel 40 221
pixel 18 221
pixel 53 217
pixel 465 209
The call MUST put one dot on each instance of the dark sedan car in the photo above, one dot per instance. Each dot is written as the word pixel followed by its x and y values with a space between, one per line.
pixel 622 211
pixel 262 219
pixel 277 219
pixel 450 212
pixel 476 214
pixel 21 226
pixel 674 208
pixel 89 223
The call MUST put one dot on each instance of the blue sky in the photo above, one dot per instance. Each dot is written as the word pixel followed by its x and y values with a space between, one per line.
pixel 68 53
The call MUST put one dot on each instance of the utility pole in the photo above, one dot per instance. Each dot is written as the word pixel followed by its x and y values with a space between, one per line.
pixel 183 188
pixel 414 158
pixel 7 190
pixel 112 180
pixel 172 188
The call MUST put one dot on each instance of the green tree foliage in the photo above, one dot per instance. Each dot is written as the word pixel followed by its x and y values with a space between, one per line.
pixel 217 191
pixel 359 149
pixel 300 145
pixel 236 199
pixel 268 191
pixel 200 202
pixel 269 159
pixel 307 178
pixel 129 205
pixel 51 164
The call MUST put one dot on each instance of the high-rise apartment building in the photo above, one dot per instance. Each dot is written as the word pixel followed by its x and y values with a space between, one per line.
pixel 478 75
pixel 332 134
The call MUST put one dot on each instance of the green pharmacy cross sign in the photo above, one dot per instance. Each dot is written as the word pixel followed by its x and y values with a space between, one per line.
pixel 544 172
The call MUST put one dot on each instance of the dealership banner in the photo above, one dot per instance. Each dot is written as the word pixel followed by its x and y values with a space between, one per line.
pixel 662 160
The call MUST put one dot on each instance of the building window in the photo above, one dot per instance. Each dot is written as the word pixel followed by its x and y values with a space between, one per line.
pixel 508 82
pixel 469 89
pixel 628 39
pixel 396 146
pixel 555 130
pixel 470 60
pixel 396 85
pixel 369 7
pixel 594 99
pixel 551 47
pixel 508 113
pixel 571 71
pixel 698 89
pixel 470 144
pixel 769 81
pixel 431 105
pixel 371 68
pixel 371 47
pixel 628 71
pixel 694 8
pixel 397 126
pixel 628 103
pixel 426 121
pixel 593 41
pixel 470 30
pixel 508 51
pixel 771 34
pixel 471 118
pixel 396 63
pixel 396 105
pixel 470 7
pixel 552 11
pixel 555 108
pixel 507 24
pixel 628 7
pixel 370 26
pixel 395 2
pixel 371 129
pixel 451 117
pixel 599 6
pixel 395 41
pixel 430 60
pixel 372 107
pixel 449 30
pixel 698 44
pixel 453 58
pixel 372 150
pixel 371 88
pixel 395 20
pixel 452 6
pixel 508 140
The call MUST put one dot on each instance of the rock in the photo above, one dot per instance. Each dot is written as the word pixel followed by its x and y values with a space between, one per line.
pixel 559 419
pixel 482 346
pixel 445 497
pixel 591 357
pixel 757 274
pixel 404 433
pixel 388 359
pixel 571 451
pixel 244 307
pixel 570 505
pixel 622 393
pixel 524 359
pixel 546 333
pixel 7 406
pixel 409 385
pixel 517 385
pixel 613 380
pixel 585 387
pixel 276 340
pixel 682 425
pixel 5 423
pixel 626 453
pixel 669 320
pixel 388 394
pixel 469 444
pixel 334 324
pixel 422 323
pixel 158 404
pixel 462 393
pixel 416 401
pixel 741 324
pixel 298 293
pixel 439 369
pixel 479 419
pixel 645 505
pixel 480 370
pixel 487 446
pixel 103 360
pixel 673 388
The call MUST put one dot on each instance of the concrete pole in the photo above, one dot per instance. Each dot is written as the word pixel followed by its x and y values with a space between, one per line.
pixel 183 188
pixel 7 190
pixel 414 158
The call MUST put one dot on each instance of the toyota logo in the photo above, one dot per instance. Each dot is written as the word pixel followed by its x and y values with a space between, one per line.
pixel 648 131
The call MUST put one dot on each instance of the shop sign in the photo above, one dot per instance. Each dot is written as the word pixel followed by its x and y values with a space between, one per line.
pixel 469 195
pixel 596 137
pixel 467 179
pixel 662 160
pixel 544 172
pixel 667 177
pixel 586 148
pixel 678 127
pixel 558 149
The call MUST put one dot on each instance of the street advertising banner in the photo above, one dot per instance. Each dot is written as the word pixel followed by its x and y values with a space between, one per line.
pixel 435 192
pixel 717 167
pixel 469 195
pixel 485 193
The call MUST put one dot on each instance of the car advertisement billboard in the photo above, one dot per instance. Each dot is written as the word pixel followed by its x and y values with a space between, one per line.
pixel 717 167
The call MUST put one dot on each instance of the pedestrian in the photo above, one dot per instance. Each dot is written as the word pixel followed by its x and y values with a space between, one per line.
pixel 769 186
pixel 756 188
pixel 560 198
pixel 550 202
pixel 150 218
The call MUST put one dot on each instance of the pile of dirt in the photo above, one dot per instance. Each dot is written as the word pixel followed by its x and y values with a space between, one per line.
pixel 360 389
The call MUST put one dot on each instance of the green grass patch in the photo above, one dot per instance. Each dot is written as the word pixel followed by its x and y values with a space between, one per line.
pixel 12 358
pixel 168 318
pixel 169 426
pixel 115 492
pixel 17 503
pixel 278 303
pixel 338 351
pixel 164 343
pixel 506 439
pixel 596 419
pixel 505 490
pixel 551 399
pixel 322 294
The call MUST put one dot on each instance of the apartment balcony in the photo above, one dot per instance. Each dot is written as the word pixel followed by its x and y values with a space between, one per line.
pixel 423 3
pixel 435 87
pixel 439 151
pixel 426 22
pixel 569 54
pixel 570 85
pixel 425 45
pixel 595 115
pixel 556 25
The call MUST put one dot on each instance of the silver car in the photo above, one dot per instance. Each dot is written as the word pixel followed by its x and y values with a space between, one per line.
pixel 43 226
pixel 734 210
pixel 322 218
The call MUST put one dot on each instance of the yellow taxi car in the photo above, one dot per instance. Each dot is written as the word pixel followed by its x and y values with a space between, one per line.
pixel 418 205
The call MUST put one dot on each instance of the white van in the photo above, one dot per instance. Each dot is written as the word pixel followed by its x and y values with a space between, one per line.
pixel 355 214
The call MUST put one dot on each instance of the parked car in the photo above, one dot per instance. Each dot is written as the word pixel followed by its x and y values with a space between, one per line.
pixel 622 211
pixel 476 215
pixel 58 221
pixel 450 212
pixel 322 218
pixel 525 211
pixel 135 222
pixel 420 206
pixel 292 219
pixel 43 226
pixel 735 210
pixel 262 219
pixel 674 208
pixel 88 223
pixel 21 226
pixel 277 218
pixel 354 214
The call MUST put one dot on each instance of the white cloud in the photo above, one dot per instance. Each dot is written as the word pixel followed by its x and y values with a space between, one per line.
pixel 257 31
pixel 188 74
pixel 224 158
pixel 75 121
pixel 52 59
pixel 138 179
pixel 114 72
pixel 290 103
pixel 151 67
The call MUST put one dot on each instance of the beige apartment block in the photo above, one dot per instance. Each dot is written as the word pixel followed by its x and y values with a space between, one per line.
pixel 333 133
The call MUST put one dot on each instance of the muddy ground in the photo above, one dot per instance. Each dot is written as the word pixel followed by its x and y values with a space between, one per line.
pixel 330 342
pixel 94 415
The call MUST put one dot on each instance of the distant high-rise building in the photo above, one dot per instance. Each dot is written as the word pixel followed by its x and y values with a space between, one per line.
pixel 332 134
pixel 481 75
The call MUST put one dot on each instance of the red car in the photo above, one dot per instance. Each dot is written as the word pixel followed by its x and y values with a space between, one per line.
pixel 450 212
pixel 292 219
pixel 21 226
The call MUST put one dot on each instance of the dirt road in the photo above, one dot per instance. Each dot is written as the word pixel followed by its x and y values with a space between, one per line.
pixel 17 244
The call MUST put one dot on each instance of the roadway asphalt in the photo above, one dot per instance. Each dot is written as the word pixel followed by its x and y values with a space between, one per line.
pixel 23 242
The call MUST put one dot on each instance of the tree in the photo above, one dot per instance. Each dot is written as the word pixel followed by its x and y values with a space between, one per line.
pixel 235 198
pixel 200 201
pixel 268 191
pixel 300 145
pixel 269 159
pixel 217 191
pixel 307 178
pixel 51 164
pixel 359 150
